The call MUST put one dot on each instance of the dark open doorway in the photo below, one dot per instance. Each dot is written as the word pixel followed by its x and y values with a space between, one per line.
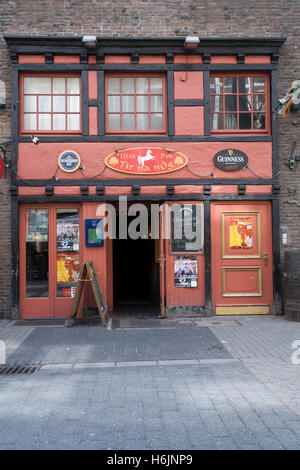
pixel 136 277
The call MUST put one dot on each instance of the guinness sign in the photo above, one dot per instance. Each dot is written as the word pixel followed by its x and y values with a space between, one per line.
pixel 230 160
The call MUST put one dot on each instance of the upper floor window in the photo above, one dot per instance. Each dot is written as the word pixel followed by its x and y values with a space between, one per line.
pixel 239 103
pixel 135 104
pixel 50 104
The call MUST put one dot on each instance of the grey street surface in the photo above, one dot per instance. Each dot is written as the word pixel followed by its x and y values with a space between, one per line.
pixel 209 383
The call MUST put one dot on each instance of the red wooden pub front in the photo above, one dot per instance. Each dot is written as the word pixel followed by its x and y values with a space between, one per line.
pixel 157 122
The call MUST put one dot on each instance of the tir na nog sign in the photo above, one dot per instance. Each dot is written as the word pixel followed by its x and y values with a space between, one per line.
pixel 146 160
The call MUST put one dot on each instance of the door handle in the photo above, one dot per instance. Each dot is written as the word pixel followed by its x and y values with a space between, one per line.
pixel 266 259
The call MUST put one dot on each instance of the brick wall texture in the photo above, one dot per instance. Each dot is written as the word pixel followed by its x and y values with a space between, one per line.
pixel 140 18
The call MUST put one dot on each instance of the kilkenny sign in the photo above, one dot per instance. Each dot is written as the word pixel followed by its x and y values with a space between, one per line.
pixel 69 161
pixel 230 160
pixel 146 160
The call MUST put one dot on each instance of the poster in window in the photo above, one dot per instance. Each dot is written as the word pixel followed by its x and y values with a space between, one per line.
pixel 68 233
pixel 67 268
pixel 241 233
pixel 186 271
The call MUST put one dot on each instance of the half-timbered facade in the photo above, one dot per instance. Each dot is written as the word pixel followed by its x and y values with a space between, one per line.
pixel 149 121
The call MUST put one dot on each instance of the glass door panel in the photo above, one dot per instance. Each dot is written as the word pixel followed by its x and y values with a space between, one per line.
pixel 67 247
pixel 37 264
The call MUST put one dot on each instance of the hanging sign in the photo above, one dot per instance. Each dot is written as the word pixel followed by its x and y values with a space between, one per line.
pixel 146 160
pixel 230 160
pixel 69 161
pixel 1 168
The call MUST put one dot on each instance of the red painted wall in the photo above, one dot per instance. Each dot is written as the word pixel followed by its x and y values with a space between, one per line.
pixel 40 162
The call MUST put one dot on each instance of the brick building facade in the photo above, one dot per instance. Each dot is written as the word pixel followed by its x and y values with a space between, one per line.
pixel 161 20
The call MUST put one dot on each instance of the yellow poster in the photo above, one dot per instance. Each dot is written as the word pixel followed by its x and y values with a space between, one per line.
pixel 240 232
pixel 67 267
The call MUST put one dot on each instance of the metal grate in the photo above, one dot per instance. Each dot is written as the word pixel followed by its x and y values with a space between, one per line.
pixel 11 370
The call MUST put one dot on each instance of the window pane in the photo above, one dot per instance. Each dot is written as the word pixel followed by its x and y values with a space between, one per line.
pixel 128 122
pixel 142 103
pixel 156 85
pixel 44 104
pixel 230 84
pixel 230 103
pixel 59 122
pixel 30 122
pixel 127 104
pixel 29 103
pixel 67 263
pixel 156 103
pixel 37 85
pixel 114 104
pixel 73 86
pixel 245 121
pixel 217 121
pixel 59 103
pixel 142 122
pixel 73 104
pixel 230 121
pixel 114 122
pixel 245 103
pixel 113 86
pixel 244 85
pixel 216 103
pixel 37 253
pixel 258 85
pixel 128 85
pixel 216 85
pixel 157 121
pixel 142 85
pixel 73 122
pixel 259 102
pixel 59 86
pixel 44 122
pixel 259 121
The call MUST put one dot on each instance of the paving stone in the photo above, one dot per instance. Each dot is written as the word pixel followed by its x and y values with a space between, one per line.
pixel 218 403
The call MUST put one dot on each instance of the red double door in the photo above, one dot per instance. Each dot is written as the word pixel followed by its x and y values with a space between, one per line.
pixel 49 259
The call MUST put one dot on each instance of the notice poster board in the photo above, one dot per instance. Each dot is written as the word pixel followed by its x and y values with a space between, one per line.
pixel 186 271
pixel 87 274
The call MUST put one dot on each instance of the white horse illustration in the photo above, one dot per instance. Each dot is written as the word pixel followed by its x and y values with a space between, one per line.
pixel 148 156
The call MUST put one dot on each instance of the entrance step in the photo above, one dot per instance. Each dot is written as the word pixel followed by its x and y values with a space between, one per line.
pixel 141 324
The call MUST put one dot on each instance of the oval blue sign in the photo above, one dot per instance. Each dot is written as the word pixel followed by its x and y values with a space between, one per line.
pixel 69 161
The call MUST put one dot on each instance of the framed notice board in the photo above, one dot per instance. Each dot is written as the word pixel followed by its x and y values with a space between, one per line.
pixel 94 232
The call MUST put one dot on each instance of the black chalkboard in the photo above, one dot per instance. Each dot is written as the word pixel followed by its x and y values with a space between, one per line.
pixel 183 221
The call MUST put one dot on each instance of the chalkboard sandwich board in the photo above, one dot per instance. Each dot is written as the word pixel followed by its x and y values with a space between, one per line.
pixel 87 274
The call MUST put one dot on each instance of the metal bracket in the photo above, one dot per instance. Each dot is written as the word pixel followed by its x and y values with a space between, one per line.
pixel 292 157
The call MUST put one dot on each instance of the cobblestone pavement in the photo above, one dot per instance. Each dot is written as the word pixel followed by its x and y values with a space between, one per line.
pixel 239 390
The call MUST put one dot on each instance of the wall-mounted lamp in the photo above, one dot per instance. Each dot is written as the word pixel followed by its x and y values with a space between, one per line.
pixel 90 42
pixel 2 94
pixel 191 42
pixel 3 145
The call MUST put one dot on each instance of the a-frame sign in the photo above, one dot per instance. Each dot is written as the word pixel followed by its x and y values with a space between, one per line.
pixel 87 274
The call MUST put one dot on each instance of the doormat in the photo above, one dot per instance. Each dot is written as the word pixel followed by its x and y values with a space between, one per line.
pixel 57 322
pixel 138 324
